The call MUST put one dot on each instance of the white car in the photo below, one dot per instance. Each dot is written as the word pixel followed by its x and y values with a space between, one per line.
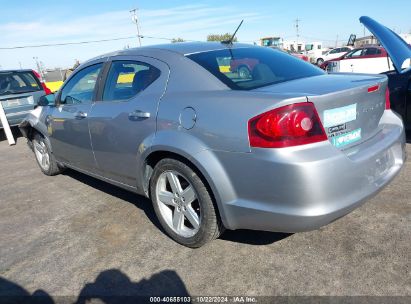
pixel 333 54
pixel 369 59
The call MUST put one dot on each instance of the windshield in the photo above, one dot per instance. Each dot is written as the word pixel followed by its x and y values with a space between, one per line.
pixel 252 68
pixel 18 82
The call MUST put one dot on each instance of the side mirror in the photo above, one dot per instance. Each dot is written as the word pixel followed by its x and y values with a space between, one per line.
pixel 46 100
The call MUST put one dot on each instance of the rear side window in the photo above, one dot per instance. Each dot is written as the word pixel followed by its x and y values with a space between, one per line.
pixel 251 68
pixel 372 51
pixel 18 82
pixel 128 78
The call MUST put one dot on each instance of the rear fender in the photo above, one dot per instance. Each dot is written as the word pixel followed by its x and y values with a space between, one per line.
pixel 32 124
pixel 203 159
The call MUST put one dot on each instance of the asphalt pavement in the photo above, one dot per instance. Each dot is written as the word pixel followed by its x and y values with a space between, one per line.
pixel 73 235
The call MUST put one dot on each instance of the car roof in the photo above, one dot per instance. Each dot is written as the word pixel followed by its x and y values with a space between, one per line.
pixel 17 70
pixel 185 48
pixel 182 48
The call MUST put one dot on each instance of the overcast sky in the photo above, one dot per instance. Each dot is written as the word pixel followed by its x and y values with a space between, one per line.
pixel 47 22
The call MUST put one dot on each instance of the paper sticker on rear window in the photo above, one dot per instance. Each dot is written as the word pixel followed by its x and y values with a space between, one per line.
pixel 340 116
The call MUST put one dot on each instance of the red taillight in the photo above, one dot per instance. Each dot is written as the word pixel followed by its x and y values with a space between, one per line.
pixel 291 125
pixel 387 99
pixel 46 89
pixel 374 88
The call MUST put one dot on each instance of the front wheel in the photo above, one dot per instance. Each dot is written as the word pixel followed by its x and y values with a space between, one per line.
pixel 183 204
pixel 45 159
pixel 320 61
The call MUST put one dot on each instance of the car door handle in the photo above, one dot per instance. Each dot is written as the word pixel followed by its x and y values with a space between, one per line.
pixel 138 115
pixel 80 115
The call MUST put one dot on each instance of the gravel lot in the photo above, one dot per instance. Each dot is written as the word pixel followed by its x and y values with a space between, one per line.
pixel 72 234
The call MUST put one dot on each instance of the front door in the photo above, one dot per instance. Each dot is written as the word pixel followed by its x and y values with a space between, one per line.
pixel 68 124
pixel 123 120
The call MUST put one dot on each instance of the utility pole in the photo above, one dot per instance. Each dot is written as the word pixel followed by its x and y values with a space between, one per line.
pixel 134 18
pixel 36 59
pixel 297 29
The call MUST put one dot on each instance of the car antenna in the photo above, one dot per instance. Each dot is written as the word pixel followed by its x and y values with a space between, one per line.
pixel 230 41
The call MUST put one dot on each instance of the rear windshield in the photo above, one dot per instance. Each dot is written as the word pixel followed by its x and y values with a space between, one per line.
pixel 18 82
pixel 251 68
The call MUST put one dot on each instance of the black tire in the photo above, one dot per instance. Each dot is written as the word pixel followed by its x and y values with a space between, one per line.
pixel 320 61
pixel 210 226
pixel 53 167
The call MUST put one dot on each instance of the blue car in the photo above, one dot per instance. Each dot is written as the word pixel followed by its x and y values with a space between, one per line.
pixel 20 91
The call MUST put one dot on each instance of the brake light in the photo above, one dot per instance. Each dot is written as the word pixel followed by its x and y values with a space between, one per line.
pixel 387 99
pixel 373 88
pixel 291 125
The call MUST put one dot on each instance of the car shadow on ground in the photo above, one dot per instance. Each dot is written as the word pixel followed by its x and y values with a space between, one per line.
pixel 240 236
pixel 139 201
pixel 252 237
pixel 110 287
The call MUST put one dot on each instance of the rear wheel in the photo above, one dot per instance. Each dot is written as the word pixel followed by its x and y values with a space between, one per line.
pixel 183 204
pixel 45 159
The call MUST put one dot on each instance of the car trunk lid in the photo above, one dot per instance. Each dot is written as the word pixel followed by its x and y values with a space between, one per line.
pixel 350 106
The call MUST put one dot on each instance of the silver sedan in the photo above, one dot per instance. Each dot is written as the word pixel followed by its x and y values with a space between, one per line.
pixel 285 148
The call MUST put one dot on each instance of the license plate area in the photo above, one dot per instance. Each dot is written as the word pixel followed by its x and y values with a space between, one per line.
pixel 17 102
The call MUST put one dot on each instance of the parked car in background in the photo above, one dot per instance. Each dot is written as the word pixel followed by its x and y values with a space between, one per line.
pixel 19 93
pixel 367 59
pixel 333 54
pixel 399 77
pixel 315 52
pixel 289 148
pixel 298 55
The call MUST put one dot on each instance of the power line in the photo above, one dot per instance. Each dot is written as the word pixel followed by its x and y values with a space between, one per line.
pixel 89 41
pixel 64 43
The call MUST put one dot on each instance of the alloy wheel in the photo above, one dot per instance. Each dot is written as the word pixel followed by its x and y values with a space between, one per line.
pixel 178 203
pixel 42 155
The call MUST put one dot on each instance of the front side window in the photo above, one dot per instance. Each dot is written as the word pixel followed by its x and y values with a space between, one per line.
pixel 128 78
pixel 80 88
pixel 355 53
pixel 251 68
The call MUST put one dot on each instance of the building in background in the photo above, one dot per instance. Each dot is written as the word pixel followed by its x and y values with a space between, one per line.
pixel 366 40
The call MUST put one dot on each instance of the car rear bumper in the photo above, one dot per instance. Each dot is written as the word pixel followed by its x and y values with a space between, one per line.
pixel 15 118
pixel 303 188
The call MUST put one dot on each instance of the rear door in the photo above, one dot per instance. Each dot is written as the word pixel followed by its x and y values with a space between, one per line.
pixel 123 120
pixel 68 122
